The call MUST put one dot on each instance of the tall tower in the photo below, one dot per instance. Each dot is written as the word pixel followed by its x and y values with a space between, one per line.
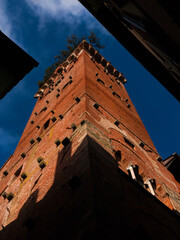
pixel 85 166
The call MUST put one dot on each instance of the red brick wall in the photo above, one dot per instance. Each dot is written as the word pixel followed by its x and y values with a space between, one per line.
pixel 86 80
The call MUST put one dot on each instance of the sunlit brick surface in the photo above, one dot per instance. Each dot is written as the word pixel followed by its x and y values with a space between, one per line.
pixel 68 177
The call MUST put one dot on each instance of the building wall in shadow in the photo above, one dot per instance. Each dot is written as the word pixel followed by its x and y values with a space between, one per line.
pixel 91 198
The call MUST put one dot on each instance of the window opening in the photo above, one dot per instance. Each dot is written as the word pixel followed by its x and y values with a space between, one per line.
pixel 117 123
pixel 42 164
pixel 5 173
pixel 4 194
pixel 141 144
pixel 39 159
pixel 129 143
pixel 77 99
pixel 100 81
pixel 43 109
pixel 10 196
pixel 23 155
pixel 61 116
pixel 46 125
pixel 17 173
pixel 116 95
pixel 23 176
pixel 65 141
pixel 53 119
pixel 57 142
pixel 96 105
pixel 73 126
pixel 32 141
pixel 38 139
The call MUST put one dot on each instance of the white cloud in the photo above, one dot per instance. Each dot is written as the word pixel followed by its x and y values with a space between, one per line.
pixel 8 23
pixel 68 11
pixel 5 23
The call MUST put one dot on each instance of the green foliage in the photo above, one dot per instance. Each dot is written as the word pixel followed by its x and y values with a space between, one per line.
pixel 72 43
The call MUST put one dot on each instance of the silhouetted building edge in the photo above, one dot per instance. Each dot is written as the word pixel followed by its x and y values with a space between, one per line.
pixel 15 63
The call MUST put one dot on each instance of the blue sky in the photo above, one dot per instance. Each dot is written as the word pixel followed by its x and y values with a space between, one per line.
pixel 41 28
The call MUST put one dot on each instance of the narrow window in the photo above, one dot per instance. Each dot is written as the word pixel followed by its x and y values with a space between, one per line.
pixel 23 176
pixel 116 95
pixel 77 99
pixel 4 194
pixel 129 143
pixel 83 122
pixel 57 142
pixel 53 119
pixel 43 109
pixel 159 159
pixel 141 144
pixel 10 196
pixel 17 173
pixel 96 105
pixel 39 159
pixel 42 164
pixel 46 125
pixel 117 123
pixel 23 155
pixel 5 173
pixel 32 141
pixel 100 81
pixel 61 116
pixel 73 126
pixel 65 141
pixel 38 139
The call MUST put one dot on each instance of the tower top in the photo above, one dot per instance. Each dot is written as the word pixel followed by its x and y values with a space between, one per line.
pixel 95 56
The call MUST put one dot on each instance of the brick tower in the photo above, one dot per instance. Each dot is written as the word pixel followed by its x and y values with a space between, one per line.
pixel 85 166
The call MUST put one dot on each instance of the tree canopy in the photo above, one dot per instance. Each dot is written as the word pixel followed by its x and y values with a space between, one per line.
pixel 72 43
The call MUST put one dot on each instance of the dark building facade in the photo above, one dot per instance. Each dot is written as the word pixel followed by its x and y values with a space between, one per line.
pixel 85 166
pixel 15 63
pixel 149 30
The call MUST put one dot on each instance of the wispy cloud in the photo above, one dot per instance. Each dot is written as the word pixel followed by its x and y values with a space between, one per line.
pixel 8 24
pixel 5 23
pixel 67 11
